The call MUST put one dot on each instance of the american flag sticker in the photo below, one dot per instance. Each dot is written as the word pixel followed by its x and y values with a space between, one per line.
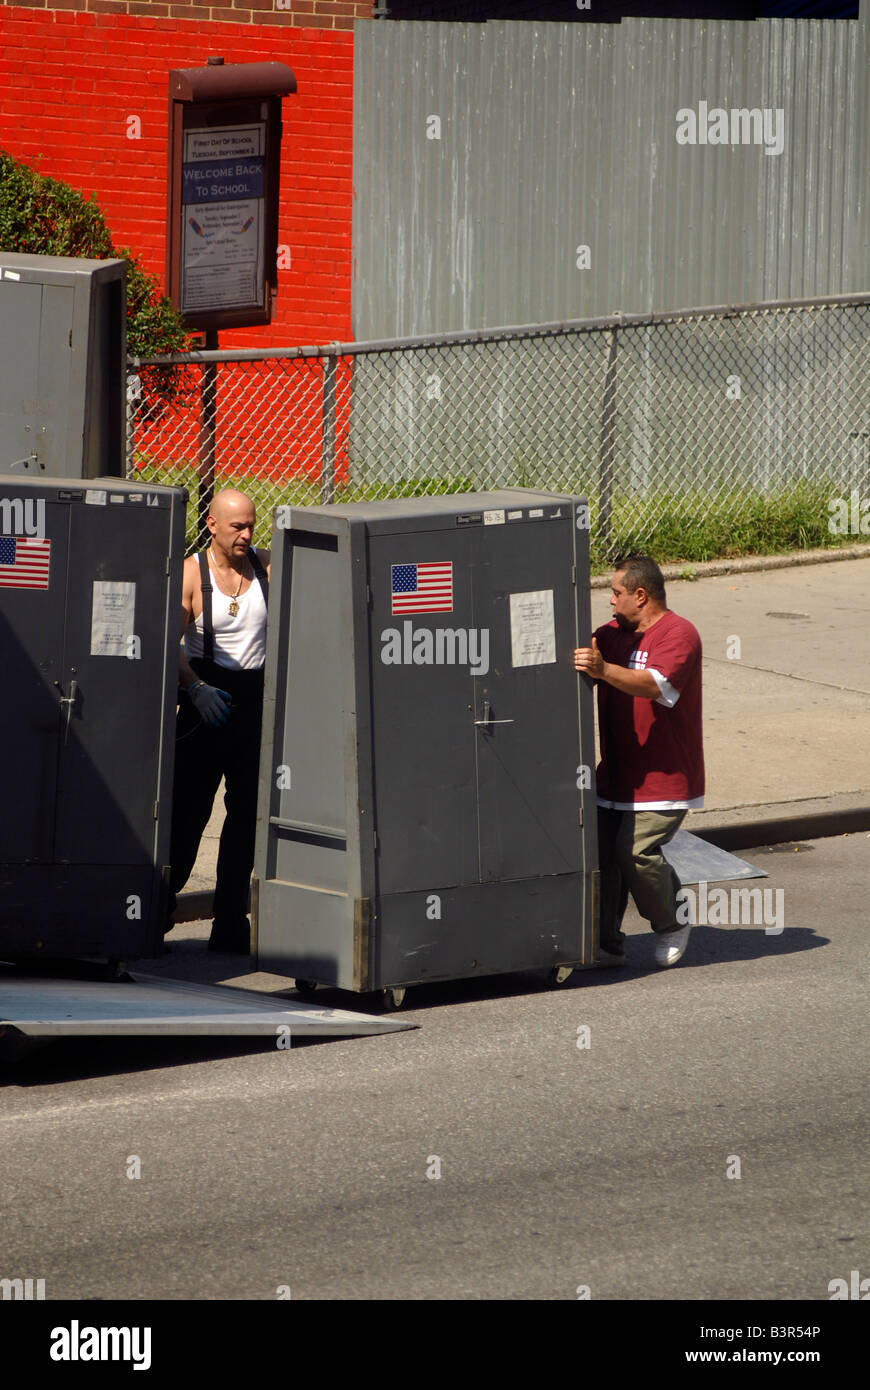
pixel 24 563
pixel 426 587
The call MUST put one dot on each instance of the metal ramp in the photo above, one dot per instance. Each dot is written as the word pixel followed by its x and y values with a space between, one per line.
pixel 156 1007
pixel 697 861
pixel 36 1006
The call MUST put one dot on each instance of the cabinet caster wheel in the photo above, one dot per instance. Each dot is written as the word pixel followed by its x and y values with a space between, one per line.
pixel 559 974
pixel 392 999
pixel 305 987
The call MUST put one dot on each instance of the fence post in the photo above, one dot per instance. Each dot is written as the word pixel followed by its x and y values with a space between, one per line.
pixel 327 441
pixel 134 395
pixel 207 441
pixel 608 437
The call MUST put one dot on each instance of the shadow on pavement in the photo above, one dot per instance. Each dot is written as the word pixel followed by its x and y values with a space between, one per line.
pixel 44 1063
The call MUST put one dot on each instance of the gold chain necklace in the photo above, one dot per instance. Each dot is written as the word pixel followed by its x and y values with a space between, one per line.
pixel 234 606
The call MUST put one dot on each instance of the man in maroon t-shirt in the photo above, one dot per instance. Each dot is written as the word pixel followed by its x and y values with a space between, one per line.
pixel 648 665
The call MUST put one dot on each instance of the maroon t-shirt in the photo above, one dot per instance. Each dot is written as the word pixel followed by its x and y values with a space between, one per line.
pixel 652 751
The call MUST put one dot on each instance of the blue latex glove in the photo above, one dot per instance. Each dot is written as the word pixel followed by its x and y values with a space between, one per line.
pixel 212 705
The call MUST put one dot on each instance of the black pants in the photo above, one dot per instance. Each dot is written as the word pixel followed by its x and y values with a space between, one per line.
pixel 203 755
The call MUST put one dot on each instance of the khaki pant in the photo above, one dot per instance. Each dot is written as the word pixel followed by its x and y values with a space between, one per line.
pixel 631 861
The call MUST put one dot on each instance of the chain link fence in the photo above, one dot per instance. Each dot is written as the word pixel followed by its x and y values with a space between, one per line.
pixel 675 426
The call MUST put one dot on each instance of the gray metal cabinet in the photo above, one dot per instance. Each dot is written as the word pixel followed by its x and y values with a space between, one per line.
pixel 63 355
pixel 421 816
pixel 90 593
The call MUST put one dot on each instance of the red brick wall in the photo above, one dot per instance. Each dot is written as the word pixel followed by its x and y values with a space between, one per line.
pixel 321 14
pixel 71 78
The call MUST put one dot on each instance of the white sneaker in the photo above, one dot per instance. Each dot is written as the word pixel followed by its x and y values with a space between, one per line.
pixel 670 948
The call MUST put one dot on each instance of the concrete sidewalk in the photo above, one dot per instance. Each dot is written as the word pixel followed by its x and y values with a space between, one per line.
pixel 786 708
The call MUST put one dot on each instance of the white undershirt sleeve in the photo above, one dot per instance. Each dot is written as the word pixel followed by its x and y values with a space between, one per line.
pixel 668 696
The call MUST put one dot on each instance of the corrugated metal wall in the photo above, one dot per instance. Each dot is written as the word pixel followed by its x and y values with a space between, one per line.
pixel 554 137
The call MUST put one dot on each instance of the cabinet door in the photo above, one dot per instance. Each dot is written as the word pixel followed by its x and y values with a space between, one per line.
pixel 526 705
pixel 36 417
pixel 423 736
pixel 110 748
pixel 32 615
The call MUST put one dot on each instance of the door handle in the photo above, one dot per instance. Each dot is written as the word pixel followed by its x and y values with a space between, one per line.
pixel 487 719
pixel 66 703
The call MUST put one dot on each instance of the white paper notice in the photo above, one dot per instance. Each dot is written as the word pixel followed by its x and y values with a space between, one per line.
pixel 223 255
pixel 223 196
pixel 533 628
pixel 112 617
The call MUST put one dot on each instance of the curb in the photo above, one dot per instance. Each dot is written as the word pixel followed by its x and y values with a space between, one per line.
pixel 782 829
pixel 704 569
pixel 193 907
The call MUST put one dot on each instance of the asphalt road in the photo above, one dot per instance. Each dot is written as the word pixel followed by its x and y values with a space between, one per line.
pixel 603 1166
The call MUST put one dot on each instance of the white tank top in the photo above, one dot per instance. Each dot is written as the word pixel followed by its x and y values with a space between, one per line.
pixel 240 641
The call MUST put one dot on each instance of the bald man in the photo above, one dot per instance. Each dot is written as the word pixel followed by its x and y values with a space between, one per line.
pixel 225 592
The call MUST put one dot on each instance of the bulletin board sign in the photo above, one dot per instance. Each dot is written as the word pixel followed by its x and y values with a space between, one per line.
pixel 222 204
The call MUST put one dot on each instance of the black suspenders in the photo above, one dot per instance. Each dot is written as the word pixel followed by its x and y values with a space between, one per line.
pixel 205 578
pixel 207 624
pixel 261 576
